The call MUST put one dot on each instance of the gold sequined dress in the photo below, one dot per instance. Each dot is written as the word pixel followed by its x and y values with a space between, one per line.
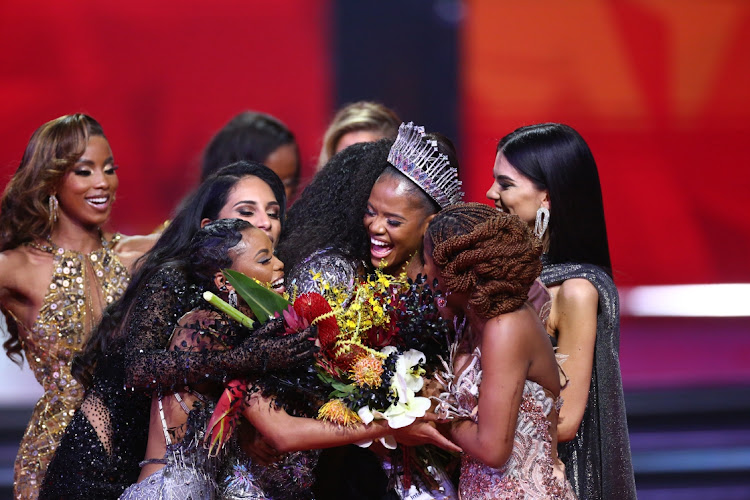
pixel 60 331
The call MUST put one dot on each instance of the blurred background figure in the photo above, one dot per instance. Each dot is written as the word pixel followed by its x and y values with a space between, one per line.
pixel 255 136
pixel 363 121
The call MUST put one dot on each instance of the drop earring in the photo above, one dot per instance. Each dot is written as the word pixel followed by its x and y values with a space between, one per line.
pixel 233 298
pixel 53 204
pixel 541 222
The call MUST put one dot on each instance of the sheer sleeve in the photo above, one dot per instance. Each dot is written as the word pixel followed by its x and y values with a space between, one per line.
pixel 149 325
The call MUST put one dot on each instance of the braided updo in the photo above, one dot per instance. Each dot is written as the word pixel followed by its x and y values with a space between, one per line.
pixel 490 254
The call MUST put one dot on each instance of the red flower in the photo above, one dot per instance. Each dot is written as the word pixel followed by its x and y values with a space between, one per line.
pixel 315 308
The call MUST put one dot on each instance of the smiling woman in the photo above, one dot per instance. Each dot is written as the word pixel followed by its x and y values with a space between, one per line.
pixel 58 270
pixel 421 179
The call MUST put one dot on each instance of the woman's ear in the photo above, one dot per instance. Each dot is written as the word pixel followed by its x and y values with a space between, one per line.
pixel 204 222
pixel 545 199
pixel 220 280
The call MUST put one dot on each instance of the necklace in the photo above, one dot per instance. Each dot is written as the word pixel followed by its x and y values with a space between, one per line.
pixel 89 282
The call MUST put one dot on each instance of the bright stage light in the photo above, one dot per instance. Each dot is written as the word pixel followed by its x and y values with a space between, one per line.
pixel 715 300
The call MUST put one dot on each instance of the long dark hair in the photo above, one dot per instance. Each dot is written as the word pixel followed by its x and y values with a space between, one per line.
pixel 556 158
pixel 330 210
pixel 170 250
pixel 250 136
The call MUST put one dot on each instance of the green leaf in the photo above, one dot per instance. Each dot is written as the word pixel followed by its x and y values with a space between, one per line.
pixel 262 301
pixel 345 388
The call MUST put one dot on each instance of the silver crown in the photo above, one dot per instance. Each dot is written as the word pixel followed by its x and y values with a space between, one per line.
pixel 420 160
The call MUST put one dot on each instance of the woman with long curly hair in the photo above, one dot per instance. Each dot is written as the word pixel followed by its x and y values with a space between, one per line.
pixel 58 271
pixel 504 392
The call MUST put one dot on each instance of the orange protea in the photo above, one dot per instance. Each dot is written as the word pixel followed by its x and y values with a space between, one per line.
pixel 367 370
pixel 337 412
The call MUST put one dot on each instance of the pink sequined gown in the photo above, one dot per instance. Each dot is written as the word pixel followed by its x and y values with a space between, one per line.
pixel 530 472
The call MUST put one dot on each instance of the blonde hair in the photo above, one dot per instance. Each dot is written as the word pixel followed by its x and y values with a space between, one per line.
pixel 358 116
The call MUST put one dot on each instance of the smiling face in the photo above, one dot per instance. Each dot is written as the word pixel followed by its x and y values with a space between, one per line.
pixel 515 193
pixel 396 223
pixel 253 256
pixel 87 190
pixel 251 199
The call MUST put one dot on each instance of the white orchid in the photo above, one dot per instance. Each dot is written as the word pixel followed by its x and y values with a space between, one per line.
pixel 367 415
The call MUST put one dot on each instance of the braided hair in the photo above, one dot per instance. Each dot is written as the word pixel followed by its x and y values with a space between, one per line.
pixel 491 255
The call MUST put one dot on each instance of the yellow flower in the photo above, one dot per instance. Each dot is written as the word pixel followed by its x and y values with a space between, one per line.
pixel 367 370
pixel 337 412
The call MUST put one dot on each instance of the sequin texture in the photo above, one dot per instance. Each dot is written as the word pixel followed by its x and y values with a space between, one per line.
pixel 530 472
pixel 60 331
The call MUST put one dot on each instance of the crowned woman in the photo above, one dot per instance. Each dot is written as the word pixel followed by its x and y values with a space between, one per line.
pixel 367 208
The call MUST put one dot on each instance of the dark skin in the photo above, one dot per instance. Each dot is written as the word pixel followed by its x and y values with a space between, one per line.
pixel 515 348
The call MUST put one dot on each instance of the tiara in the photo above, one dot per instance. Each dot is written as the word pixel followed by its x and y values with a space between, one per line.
pixel 420 160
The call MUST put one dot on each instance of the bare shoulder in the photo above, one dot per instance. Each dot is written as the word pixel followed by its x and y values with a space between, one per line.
pixel 577 293
pixel 513 329
pixel 130 248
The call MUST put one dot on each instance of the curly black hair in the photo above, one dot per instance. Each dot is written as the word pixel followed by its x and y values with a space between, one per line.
pixel 330 210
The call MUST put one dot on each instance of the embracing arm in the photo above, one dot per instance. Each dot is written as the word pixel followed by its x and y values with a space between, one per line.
pixel 287 433
pixel 155 313
pixel 574 320
pixel 505 364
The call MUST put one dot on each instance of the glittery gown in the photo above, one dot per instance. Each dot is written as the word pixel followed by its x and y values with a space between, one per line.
pixel 60 331
pixel 597 460
pixel 99 455
pixel 531 472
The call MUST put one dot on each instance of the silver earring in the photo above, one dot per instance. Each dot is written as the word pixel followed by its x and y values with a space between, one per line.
pixel 233 298
pixel 541 223
pixel 52 209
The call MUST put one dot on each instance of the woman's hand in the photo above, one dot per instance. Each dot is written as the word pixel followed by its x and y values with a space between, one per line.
pixel 256 447
pixel 424 432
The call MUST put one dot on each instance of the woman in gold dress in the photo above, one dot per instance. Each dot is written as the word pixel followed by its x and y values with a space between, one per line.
pixel 58 271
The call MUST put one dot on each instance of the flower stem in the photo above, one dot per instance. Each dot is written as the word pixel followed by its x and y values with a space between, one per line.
pixel 227 309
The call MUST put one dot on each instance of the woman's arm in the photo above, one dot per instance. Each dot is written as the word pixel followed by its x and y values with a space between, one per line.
pixel 573 318
pixel 130 248
pixel 286 433
pixel 149 324
pixel 505 365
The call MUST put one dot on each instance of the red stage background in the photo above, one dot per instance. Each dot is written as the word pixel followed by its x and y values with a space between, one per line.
pixel 658 88
pixel 161 78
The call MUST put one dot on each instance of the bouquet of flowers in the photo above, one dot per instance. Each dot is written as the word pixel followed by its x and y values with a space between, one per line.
pixel 377 341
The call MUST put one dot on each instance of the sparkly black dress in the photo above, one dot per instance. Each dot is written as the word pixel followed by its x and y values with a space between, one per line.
pixel 99 454
pixel 597 461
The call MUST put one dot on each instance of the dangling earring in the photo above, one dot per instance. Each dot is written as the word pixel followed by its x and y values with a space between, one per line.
pixel 52 202
pixel 233 298
pixel 541 223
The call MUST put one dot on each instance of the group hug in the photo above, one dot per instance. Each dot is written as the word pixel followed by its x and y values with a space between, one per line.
pixel 370 337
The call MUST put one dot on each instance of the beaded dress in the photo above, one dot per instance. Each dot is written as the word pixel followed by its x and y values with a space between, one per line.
pixel 597 460
pixel 60 331
pixel 99 455
pixel 531 472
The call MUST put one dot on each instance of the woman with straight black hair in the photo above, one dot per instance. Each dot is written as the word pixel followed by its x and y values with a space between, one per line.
pixel 126 358
pixel 546 174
